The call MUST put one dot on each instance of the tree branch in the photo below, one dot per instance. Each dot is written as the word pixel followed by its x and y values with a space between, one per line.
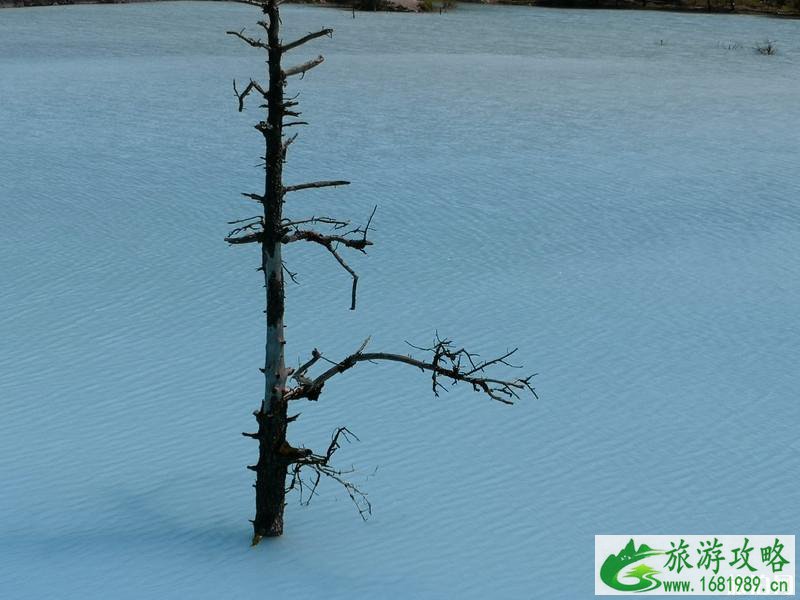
pixel 446 362
pixel 307 38
pixel 292 274
pixel 252 227
pixel 331 242
pixel 244 239
pixel 250 87
pixel 327 242
pixel 303 68
pixel 336 223
pixel 248 40
pixel 288 141
pixel 314 184
pixel 256 197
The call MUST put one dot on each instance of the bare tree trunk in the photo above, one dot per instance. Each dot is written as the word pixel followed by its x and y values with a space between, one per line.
pixel 271 466
pixel 275 454
pixel 276 457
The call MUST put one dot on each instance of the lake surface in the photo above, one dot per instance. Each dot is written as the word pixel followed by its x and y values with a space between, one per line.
pixel 616 193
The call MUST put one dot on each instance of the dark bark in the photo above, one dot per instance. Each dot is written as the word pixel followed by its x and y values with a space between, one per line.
pixel 272 466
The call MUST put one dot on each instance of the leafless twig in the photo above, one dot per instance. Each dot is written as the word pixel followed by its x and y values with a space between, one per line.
pixel 320 465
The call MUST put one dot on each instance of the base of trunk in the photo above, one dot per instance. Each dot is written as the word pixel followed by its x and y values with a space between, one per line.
pixel 274 530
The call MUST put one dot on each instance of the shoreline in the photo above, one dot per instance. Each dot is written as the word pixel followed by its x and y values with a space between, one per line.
pixel 726 7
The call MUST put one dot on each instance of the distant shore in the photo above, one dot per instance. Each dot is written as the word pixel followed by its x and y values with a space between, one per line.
pixel 774 8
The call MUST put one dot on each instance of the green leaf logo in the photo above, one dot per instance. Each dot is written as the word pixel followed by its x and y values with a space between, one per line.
pixel 643 575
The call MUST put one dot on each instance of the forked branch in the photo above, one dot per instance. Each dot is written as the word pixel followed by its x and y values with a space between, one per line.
pixel 448 362
pixel 331 243
pixel 253 85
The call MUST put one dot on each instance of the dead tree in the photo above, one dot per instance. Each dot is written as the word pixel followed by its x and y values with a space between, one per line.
pixel 278 461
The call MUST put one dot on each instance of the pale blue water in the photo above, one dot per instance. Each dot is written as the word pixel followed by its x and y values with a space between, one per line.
pixel 624 211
